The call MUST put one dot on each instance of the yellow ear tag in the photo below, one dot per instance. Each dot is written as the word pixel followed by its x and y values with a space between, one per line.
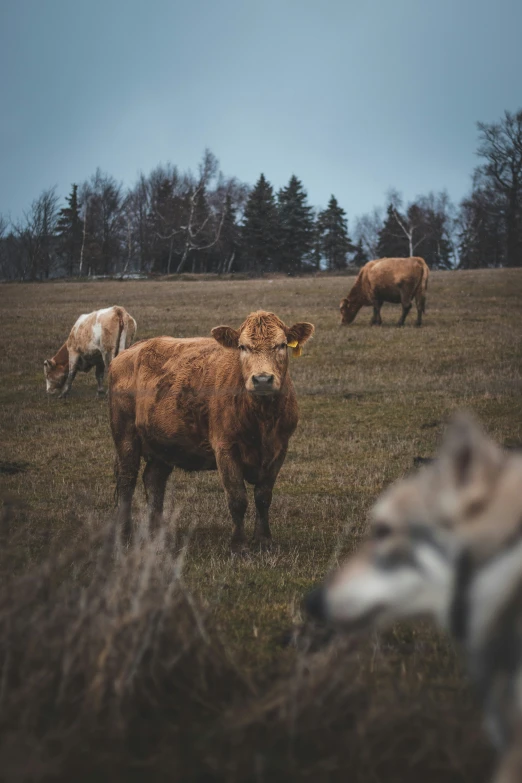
pixel 296 348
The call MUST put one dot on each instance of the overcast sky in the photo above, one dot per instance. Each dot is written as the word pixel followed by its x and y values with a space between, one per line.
pixel 353 96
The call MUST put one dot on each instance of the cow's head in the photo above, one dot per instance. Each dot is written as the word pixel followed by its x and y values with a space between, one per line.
pixel 348 309
pixel 262 343
pixel 55 376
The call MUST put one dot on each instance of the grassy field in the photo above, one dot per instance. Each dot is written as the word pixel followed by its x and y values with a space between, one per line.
pixel 371 399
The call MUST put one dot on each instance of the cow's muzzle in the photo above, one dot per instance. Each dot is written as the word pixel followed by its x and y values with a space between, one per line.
pixel 263 383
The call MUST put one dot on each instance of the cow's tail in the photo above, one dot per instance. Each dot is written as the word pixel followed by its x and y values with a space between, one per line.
pixel 121 328
pixel 422 286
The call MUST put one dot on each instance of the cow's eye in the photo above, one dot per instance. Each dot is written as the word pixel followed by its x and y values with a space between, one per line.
pixel 281 347
pixel 243 348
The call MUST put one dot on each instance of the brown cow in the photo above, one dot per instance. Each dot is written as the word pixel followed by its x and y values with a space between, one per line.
pixel 95 339
pixel 388 280
pixel 225 402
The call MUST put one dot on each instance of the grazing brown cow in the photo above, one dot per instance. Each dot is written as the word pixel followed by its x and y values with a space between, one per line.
pixel 225 402
pixel 95 339
pixel 396 280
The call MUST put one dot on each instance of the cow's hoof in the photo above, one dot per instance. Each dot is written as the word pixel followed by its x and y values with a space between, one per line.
pixel 262 544
pixel 63 396
pixel 239 547
pixel 101 393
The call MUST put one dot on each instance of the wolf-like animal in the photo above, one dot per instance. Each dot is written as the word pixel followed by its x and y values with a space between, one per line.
pixel 447 542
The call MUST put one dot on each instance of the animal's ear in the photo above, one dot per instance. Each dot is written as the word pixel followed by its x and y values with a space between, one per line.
pixel 226 336
pixel 49 364
pixel 469 464
pixel 343 303
pixel 299 333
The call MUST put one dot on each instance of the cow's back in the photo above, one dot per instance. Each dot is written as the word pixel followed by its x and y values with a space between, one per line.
pixel 389 274
pixel 169 390
pixel 160 371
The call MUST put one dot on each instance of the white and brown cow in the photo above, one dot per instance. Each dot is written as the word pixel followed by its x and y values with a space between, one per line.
pixel 95 339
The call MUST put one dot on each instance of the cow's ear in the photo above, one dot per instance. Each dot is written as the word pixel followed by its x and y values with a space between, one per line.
pixel 226 336
pixel 299 333
pixel 49 364
pixel 343 303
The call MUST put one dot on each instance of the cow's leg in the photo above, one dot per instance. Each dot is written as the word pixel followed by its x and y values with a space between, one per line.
pixel 155 478
pixel 263 500
pixel 128 455
pixel 420 301
pixel 376 318
pixel 74 360
pixel 231 476
pixel 100 374
pixel 406 306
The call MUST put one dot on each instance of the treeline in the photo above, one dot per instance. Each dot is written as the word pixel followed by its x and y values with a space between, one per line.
pixel 174 221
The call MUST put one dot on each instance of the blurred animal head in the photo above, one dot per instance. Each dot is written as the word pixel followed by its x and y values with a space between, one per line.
pixel 348 310
pixel 55 376
pixel 470 499
pixel 262 342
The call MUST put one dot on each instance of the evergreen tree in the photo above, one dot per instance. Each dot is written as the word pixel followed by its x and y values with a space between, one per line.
pixel 332 235
pixel 69 229
pixel 481 235
pixel 393 242
pixel 361 256
pixel 296 227
pixel 260 228
pixel 229 240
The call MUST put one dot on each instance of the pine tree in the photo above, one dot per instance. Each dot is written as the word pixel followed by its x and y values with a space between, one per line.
pixel 260 228
pixel 332 235
pixel 361 256
pixel 393 242
pixel 69 229
pixel 229 240
pixel 296 227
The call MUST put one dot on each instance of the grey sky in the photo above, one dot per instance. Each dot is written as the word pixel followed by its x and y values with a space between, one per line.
pixel 354 97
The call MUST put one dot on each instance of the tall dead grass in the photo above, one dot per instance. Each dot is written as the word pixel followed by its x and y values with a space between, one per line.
pixel 110 670
pixel 105 663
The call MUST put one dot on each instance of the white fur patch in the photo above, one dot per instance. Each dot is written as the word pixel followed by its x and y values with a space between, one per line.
pixel 491 588
pixel 365 588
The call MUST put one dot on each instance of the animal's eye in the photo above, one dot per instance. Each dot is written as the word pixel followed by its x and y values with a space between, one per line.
pixel 380 530
pixel 281 347
pixel 243 348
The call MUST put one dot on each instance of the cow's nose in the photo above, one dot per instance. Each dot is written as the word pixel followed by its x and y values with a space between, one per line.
pixel 263 381
pixel 315 604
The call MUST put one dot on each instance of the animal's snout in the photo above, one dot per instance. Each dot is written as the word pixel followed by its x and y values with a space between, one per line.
pixel 315 604
pixel 263 382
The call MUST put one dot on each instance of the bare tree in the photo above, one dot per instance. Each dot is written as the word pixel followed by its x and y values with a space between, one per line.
pixel 412 224
pixel 202 229
pixel 367 230
pixel 4 264
pixel 36 235
pixel 501 147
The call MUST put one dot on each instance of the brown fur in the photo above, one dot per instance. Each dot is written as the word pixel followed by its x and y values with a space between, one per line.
pixel 94 341
pixel 196 404
pixel 396 280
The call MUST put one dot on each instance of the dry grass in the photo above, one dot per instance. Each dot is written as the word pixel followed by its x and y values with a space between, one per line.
pixel 392 708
